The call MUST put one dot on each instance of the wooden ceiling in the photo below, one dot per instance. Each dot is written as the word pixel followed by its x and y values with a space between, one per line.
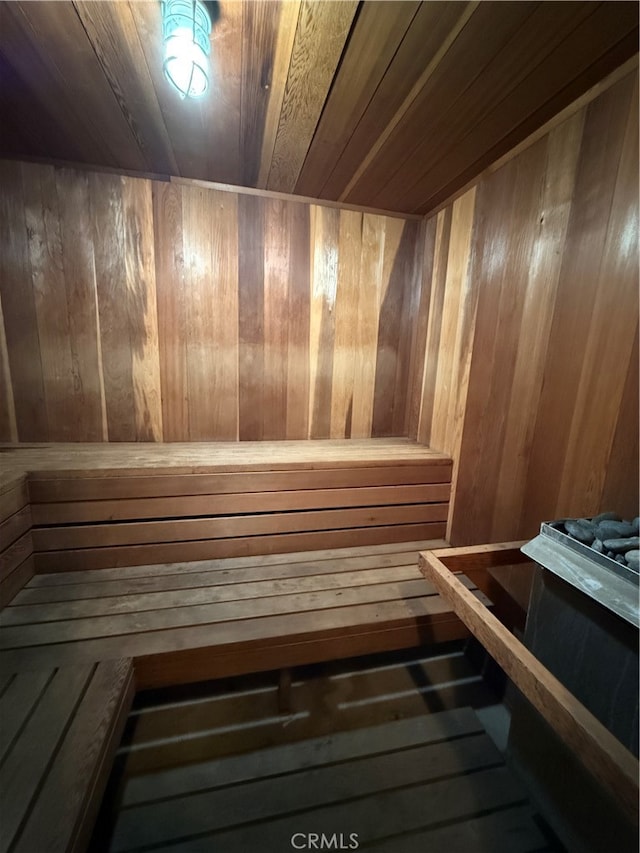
pixel 392 105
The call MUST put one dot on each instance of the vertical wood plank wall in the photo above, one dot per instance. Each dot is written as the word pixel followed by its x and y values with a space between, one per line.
pixel 503 330
pixel 136 310
pixel 527 372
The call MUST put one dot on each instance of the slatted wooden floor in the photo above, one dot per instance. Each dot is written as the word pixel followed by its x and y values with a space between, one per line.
pixel 192 724
pixel 192 621
pixel 380 783
pixel 423 784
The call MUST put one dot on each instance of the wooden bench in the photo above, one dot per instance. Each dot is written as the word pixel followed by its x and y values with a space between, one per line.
pixel 60 730
pixel 260 613
pixel 121 505
pixel 307 552
pixel 177 623
pixel 194 621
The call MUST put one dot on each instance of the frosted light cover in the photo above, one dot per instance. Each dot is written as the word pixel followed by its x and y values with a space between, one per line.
pixel 186 31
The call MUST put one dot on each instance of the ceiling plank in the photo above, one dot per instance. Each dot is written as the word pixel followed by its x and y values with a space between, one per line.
pixel 463 58
pixel 414 61
pixel 443 47
pixel 322 32
pixel 112 32
pixel 377 33
pixel 375 104
pixel 289 14
pixel 29 131
pixel 488 168
pixel 34 98
pixel 461 169
pixel 259 34
pixel 52 34
pixel 527 55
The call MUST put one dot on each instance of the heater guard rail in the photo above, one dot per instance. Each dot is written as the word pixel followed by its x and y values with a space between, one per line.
pixel 600 752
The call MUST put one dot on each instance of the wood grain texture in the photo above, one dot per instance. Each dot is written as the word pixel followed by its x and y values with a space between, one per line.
pixel 15 554
pixel 213 549
pixel 251 317
pixel 622 471
pixel 484 93
pixel 499 84
pixel 210 252
pixel 44 247
pixel 15 526
pixel 18 309
pixel 277 257
pixel 346 312
pixel 304 605
pixel 546 334
pixel 299 312
pixel 317 789
pixel 129 459
pixel 324 286
pixel 16 544
pixel 64 488
pixel 156 311
pixel 378 33
pixel 399 102
pixel 434 32
pixel 248 498
pixel 141 309
pixel 13 583
pixel 287 26
pixel 186 127
pixel 113 317
pixel 172 293
pixel 318 44
pixel 229 527
pixel 14 499
pixel 227 504
pixel 259 36
pixel 112 31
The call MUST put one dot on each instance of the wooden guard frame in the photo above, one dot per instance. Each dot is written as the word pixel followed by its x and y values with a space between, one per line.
pixel 598 750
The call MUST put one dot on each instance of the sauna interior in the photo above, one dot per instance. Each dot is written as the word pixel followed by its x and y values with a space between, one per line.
pixel 291 369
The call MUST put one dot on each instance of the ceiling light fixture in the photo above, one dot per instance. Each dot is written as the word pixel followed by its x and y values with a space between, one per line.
pixel 186 30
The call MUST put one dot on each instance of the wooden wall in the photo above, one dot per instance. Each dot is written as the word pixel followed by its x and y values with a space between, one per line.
pixel 141 310
pixel 528 323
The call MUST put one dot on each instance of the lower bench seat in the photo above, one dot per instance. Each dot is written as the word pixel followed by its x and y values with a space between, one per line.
pixel 188 622
pixel 76 634
pixel 75 645
pixel 60 728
